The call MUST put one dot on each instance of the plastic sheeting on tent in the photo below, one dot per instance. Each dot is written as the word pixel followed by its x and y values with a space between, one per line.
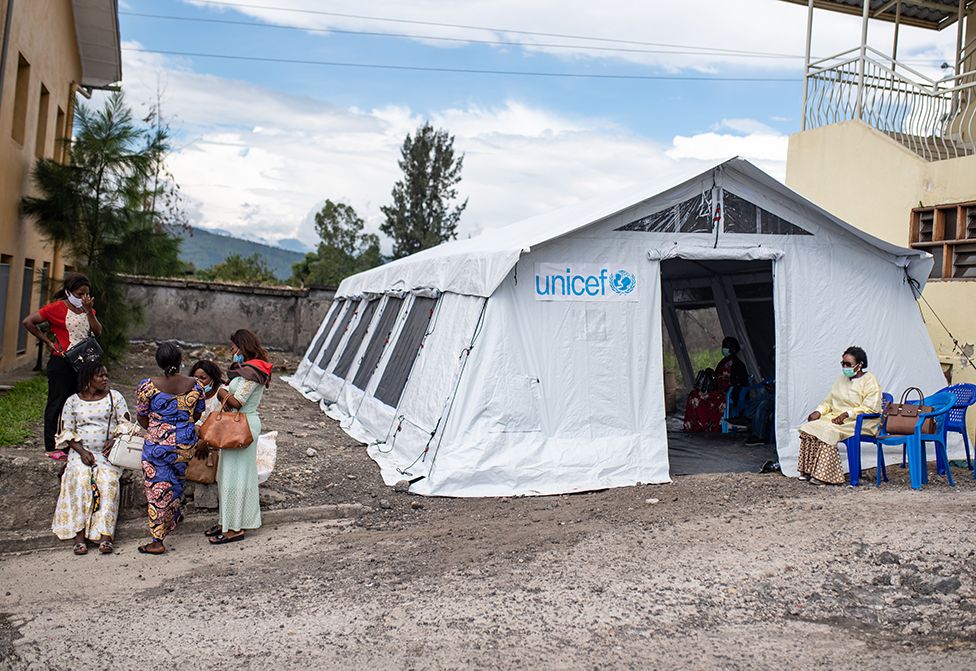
pixel 529 360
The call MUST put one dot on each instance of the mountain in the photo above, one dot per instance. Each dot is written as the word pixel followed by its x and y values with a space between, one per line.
pixel 204 249
pixel 294 245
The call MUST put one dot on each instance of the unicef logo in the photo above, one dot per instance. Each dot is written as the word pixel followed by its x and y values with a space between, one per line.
pixel 622 282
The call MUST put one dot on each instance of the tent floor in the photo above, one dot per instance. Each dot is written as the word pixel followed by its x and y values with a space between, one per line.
pixel 691 453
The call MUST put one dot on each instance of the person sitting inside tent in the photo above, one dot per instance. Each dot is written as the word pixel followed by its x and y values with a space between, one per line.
pixel 703 411
pixel 855 392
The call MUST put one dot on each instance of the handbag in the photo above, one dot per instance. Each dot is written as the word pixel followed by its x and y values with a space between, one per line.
pixel 87 351
pixel 223 430
pixel 203 471
pixel 899 419
pixel 126 450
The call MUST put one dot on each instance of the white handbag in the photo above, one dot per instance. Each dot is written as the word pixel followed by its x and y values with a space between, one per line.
pixel 126 450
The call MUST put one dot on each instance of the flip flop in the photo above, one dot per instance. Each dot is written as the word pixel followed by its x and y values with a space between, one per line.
pixel 58 455
pixel 143 550
pixel 215 530
pixel 80 549
pixel 220 539
pixel 106 547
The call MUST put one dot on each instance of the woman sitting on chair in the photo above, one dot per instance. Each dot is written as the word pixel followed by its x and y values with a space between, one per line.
pixel 703 411
pixel 854 393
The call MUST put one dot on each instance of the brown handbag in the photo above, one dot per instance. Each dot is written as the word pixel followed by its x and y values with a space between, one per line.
pixel 900 418
pixel 223 430
pixel 203 471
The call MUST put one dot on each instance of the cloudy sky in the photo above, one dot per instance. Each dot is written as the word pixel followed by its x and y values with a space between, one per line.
pixel 280 104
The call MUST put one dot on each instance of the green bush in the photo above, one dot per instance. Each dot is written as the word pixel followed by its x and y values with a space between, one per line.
pixel 21 408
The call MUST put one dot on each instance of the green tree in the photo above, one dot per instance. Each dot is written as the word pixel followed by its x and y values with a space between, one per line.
pixel 422 214
pixel 109 206
pixel 245 269
pixel 344 249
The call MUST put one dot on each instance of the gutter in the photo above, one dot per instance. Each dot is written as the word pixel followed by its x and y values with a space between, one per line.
pixel 3 47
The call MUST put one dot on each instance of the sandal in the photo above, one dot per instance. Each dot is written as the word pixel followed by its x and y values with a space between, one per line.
pixel 58 455
pixel 80 549
pixel 144 549
pixel 220 539
pixel 106 547
pixel 215 530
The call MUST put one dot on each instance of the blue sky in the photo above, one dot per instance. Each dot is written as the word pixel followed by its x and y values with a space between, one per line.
pixel 261 145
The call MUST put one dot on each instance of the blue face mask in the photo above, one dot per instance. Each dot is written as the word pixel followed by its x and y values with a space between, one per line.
pixel 238 358
pixel 849 372
pixel 726 351
pixel 206 390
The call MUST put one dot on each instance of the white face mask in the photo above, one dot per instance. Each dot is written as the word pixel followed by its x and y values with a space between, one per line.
pixel 74 300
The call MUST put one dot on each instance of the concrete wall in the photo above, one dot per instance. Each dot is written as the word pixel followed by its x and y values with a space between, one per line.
pixel 208 312
pixel 44 34
pixel 873 182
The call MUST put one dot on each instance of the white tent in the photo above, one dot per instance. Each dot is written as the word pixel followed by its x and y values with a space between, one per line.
pixel 528 360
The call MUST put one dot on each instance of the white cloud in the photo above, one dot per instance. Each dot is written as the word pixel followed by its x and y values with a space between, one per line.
pixel 258 163
pixel 768 26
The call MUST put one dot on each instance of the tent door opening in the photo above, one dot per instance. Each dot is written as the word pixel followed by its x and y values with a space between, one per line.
pixel 703 301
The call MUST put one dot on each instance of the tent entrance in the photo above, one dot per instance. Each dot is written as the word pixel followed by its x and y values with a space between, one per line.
pixel 702 301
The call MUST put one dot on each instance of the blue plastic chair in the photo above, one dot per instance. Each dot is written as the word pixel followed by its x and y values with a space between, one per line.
pixel 956 422
pixel 914 444
pixel 854 445
pixel 735 409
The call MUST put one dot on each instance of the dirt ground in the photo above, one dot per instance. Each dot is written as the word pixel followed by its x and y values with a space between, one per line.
pixel 712 572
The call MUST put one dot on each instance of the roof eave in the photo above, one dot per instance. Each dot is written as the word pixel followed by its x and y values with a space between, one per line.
pixel 99 42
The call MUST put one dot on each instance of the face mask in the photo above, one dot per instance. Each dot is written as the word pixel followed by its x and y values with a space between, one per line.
pixel 206 390
pixel 238 358
pixel 726 351
pixel 849 372
pixel 74 300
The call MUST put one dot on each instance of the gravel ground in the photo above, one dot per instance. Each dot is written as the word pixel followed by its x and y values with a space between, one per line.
pixel 712 572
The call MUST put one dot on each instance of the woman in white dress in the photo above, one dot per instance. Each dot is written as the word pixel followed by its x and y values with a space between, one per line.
pixel 88 505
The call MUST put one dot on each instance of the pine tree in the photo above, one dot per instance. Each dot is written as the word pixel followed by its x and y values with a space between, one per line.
pixel 422 214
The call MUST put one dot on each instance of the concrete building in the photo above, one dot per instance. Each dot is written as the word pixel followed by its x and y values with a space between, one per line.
pixel 892 150
pixel 49 51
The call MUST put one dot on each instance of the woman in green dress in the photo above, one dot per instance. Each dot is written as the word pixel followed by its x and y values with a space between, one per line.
pixel 237 470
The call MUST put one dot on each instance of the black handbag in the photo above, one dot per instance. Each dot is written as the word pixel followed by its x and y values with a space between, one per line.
pixel 87 351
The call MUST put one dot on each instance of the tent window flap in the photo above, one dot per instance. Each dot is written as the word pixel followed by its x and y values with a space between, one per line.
pixel 377 342
pixel 337 336
pixel 394 379
pixel 333 314
pixel 355 339
pixel 689 216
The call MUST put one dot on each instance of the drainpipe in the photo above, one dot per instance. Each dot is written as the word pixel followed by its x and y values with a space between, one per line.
pixel 894 42
pixel 3 47
pixel 866 7
pixel 806 65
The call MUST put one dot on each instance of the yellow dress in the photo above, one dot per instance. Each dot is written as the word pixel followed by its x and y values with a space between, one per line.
pixel 855 396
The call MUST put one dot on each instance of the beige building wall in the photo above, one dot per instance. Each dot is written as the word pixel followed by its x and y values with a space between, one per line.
pixel 42 35
pixel 873 182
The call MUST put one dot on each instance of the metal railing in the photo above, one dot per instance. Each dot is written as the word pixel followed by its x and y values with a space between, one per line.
pixel 935 118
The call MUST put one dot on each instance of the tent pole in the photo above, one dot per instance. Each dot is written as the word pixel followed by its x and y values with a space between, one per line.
pixel 670 317
pixel 806 65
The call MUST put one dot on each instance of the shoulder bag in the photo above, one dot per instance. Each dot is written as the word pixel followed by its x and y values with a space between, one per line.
pixel 223 430
pixel 899 419
pixel 203 471
pixel 87 351
pixel 126 450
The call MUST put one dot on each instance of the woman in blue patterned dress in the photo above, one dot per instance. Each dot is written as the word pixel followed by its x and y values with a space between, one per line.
pixel 167 408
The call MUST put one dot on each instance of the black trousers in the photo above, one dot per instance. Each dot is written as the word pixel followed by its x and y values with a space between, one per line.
pixel 62 382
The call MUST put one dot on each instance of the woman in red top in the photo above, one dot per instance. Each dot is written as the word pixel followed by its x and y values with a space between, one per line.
pixel 71 318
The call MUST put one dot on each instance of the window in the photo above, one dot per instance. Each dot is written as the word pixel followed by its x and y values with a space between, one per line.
pixel 742 216
pixel 350 310
pixel 40 143
pixel 394 379
pixel 690 216
pixel 5 260
pixel 348 356
pixel 333 313
pixel 948 232
pixel 378 342
pixel 693 216
pixel 26 293
pixel 59 139
pixel 21 87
